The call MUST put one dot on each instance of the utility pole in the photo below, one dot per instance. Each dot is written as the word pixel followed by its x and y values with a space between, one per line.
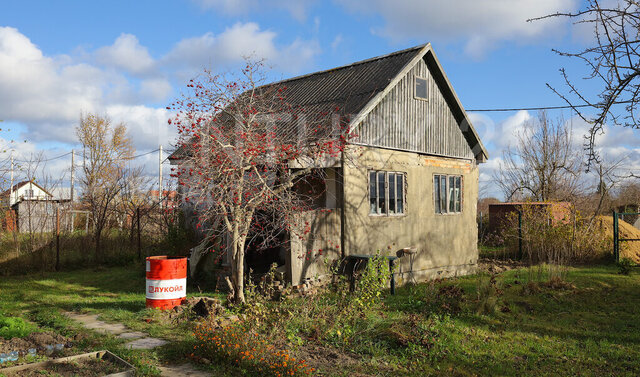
pixel 11 187
pixel 160 175
pixel 73 215
pixel 58 239
pixel 72 169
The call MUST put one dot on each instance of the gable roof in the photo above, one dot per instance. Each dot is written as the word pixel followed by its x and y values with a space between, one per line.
pixel 356 89
pixel 19 185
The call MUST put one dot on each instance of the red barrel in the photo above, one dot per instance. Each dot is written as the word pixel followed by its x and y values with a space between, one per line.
pixel 166 281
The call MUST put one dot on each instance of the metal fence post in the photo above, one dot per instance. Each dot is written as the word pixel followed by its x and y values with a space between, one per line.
pixel 616 249
pixel 520 235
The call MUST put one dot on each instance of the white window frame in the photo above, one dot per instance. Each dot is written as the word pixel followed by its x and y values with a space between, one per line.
pixel 415 88
pixel 458 196
pixel 384 212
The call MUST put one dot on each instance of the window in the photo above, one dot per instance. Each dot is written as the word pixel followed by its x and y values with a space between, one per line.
pixel 386 193
pixel 421 88
pixel 28 193
pixel 447 193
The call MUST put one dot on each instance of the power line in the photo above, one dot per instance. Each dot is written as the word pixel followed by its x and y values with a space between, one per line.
pixel 544 107
pixel 43 160
pixel 68 153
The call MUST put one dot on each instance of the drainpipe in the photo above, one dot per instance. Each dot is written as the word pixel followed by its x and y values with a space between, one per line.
pixel 342 205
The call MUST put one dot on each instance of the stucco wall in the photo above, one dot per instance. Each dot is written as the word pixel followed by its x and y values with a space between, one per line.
pixel 445 244
pixel 313 249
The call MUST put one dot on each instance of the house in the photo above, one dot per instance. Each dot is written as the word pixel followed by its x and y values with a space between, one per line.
pixel 169 198
pixel 407 181
pixel 29 208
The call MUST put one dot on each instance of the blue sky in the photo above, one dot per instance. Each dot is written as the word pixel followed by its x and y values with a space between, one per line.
pixel 129 59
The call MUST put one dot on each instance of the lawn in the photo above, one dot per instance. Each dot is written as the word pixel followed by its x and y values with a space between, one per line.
pixel 116 294
pixel 587 324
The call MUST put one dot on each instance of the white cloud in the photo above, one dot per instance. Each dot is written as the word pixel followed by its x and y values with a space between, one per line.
pixel 48 94
pixel 237 42
pixel 127 54
pixel 36 88
pixel 510 128
pixel 479 24
pixel 156 90
pixel 147 126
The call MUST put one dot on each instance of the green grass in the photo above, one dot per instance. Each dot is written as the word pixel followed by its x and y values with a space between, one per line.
pixel 501 252
pixel 589 326
pixel 115 294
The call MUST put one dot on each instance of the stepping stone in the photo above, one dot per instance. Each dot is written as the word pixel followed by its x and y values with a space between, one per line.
pixel 92 322
pixel 132 335
pixel 145 344
pixel 182 370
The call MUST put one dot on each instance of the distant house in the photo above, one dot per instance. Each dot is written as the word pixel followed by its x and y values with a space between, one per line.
pixel 169 198
pixel 410 182
pixel 29 208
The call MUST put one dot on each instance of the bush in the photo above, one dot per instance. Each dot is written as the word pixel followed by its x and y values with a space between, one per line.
pixel 243 347
pixel 556 241
pixel 373 281
pixel 14 327
pixel 488 291
pixel 624 266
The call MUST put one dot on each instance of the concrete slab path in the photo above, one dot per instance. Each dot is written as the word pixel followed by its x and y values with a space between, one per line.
pixel 182 370
pixel 139 340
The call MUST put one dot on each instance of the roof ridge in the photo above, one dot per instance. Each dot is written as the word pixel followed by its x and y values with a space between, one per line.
pixel 380 57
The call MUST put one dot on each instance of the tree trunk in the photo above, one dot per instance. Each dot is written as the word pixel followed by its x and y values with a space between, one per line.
pixel 98 236
pixel 133 228
pixel 238 268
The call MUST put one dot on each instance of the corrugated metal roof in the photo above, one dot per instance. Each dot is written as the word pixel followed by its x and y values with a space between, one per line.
pixel 346 89
pixel 351 86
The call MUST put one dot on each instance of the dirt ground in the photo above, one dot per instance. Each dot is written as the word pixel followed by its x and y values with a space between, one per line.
pixel 89 367
pixel 38 340
pixel 496 266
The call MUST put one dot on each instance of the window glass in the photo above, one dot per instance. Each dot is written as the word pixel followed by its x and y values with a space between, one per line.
pixel 382 208
pixel 392 193
pixel 400 193
pixel 436 192
pixel 421 88
pixel 373 197
pixel 458 194
pixel 447 193
pixel 443 194
pixel 386 193
pixel 451 196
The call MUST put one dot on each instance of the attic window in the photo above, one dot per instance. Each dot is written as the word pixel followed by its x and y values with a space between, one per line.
pixel 421 88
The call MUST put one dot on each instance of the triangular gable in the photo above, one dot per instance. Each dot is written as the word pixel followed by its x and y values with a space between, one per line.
pixel 466 127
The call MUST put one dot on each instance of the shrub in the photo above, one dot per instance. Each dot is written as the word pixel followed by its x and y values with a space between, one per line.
pixel 14 327
pixel 488 293
pixel 373 281
pixel 556 241
pixel 624 266
pixel 242 347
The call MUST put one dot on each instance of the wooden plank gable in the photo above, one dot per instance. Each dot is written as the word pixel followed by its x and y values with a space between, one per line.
pixel 402 121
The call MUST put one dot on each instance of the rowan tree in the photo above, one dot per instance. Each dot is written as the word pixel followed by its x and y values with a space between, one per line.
pixel 106 149
pixel 244 149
